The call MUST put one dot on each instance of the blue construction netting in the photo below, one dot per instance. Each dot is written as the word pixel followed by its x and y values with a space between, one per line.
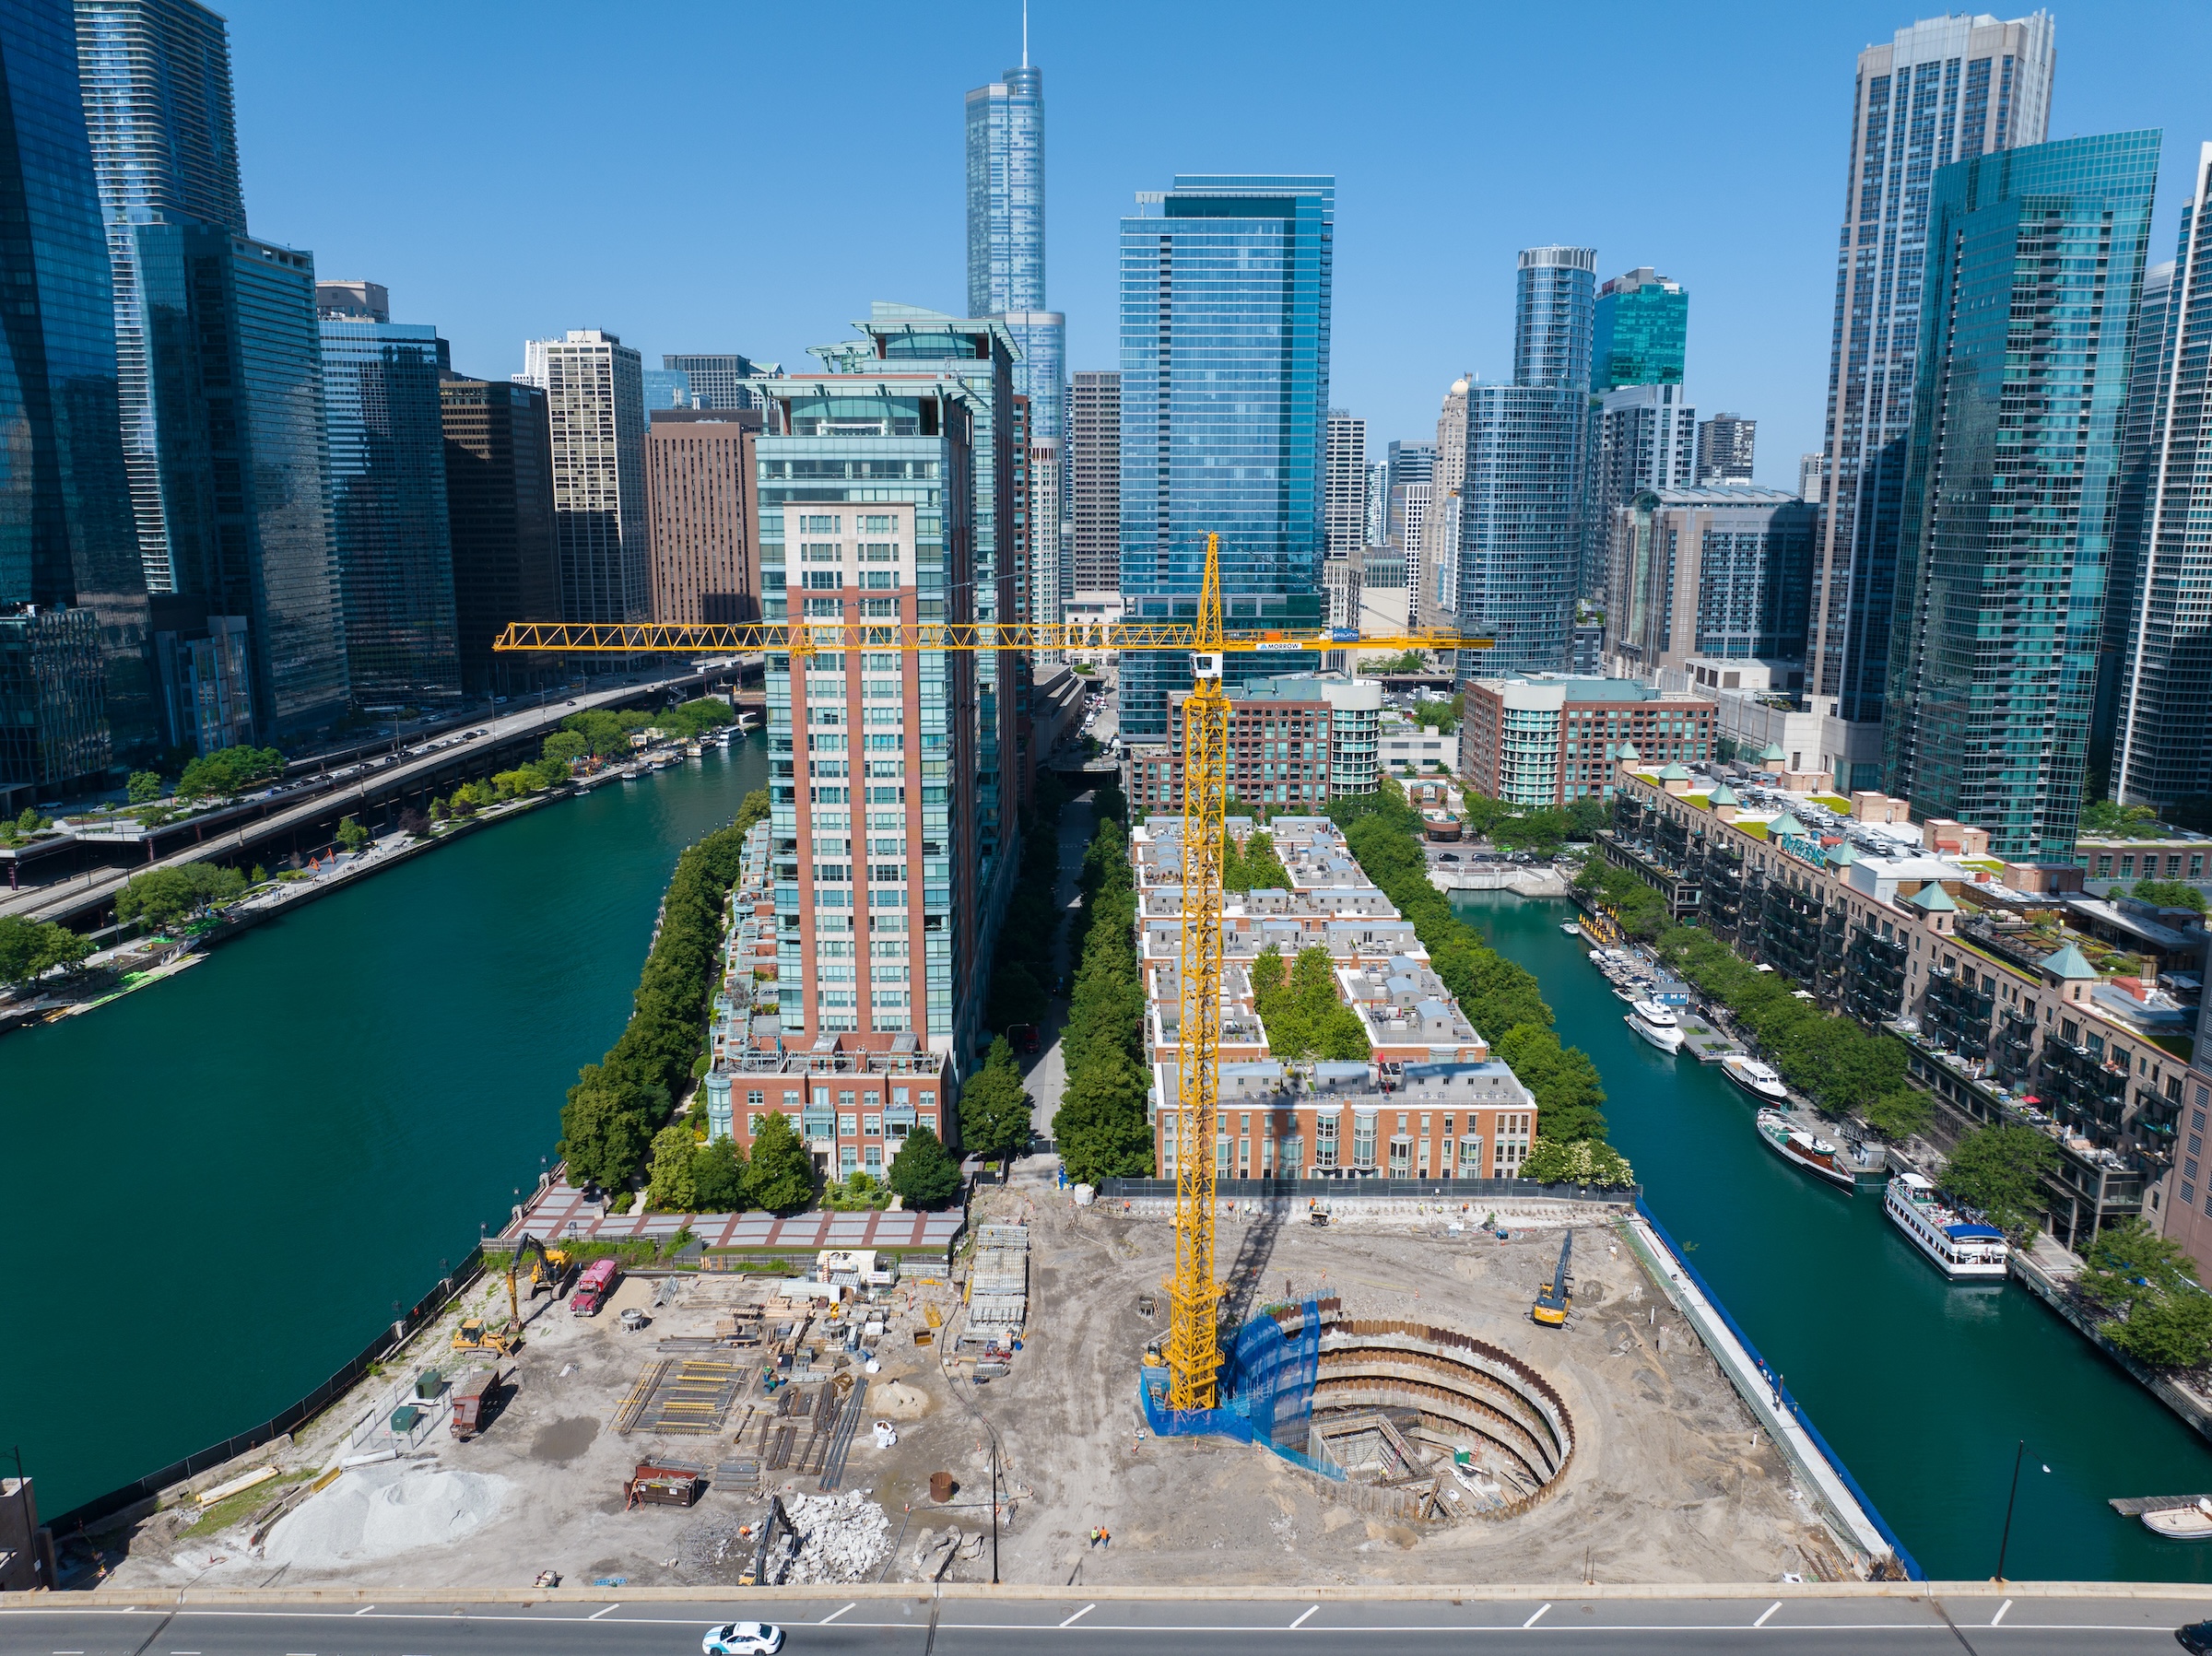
pixel 1912 1567
pixel 1266 1390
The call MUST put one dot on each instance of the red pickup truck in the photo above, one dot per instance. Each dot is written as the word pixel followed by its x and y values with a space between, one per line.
pixel 595 1286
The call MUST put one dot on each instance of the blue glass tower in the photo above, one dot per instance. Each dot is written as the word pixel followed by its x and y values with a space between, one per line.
pixel 1225 300
pixel 2010 492
pixel 66 544
pixel 218 361
pixel 386 431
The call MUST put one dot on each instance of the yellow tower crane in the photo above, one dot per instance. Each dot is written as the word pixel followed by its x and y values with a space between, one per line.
pixel 1194 1345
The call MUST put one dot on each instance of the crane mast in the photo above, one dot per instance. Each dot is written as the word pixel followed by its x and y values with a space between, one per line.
pixel 1194 1342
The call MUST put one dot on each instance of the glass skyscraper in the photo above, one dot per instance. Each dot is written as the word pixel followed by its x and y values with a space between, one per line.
pixel 2159 616
pixel 1521 486
pixel 389 513
pixel 1555 316
pixel 1225 305
pixel 1005 281
pixel 218 359
pixel 1640 331
pixel 2010 489
pixel 1944 90
pixel 67 543
pixel 716 382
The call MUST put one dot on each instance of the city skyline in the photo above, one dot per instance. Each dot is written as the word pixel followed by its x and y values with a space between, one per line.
pixel 496 272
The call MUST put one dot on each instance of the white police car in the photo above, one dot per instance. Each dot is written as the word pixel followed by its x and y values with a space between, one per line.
pixel 743 1639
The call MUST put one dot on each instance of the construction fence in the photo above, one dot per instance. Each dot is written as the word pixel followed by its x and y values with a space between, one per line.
pixel 1266 1388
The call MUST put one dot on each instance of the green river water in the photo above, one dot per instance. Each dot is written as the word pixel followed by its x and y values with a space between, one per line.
pixel 1923 1389
pixel 218 1187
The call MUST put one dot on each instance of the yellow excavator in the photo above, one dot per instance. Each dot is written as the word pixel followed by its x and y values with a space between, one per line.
pixel 1556 1297
pixel 546 1268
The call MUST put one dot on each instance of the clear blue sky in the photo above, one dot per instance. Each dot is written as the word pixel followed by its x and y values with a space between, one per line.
pixel 747 176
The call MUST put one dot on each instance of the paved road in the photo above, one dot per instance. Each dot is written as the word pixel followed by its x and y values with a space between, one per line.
pixel 1080 1626
pixel 67 897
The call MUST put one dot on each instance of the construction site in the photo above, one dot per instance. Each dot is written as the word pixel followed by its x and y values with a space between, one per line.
pixel 1415 1422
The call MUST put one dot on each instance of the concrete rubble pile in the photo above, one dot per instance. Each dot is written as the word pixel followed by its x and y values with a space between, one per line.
pixel 842 1537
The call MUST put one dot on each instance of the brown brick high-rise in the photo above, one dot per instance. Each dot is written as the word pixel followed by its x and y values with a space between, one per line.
pixel 702 514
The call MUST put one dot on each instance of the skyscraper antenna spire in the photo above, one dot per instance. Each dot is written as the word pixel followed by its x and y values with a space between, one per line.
pixel 1025 34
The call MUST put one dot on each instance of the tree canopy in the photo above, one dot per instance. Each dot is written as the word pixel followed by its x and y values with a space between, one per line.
pixel 1998 1170
pixel 995 1108
pixel 1299 1009
pixel 163 896
pixel 923 1173
pixel 780 1178
pixel 1100 1127
pixel 229 771
pixel 30 949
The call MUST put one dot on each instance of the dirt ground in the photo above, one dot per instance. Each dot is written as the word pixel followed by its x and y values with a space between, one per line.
pixel 1670 1480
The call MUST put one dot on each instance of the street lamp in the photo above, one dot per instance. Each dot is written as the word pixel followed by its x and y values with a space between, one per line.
pixel 2005 1540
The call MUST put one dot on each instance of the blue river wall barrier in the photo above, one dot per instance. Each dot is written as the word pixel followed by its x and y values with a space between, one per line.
pixel 1795 1409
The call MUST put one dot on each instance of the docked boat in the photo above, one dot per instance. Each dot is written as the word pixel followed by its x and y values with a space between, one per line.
pixel 1756 1078
pixel 692 750
pixel 1964 1250
pixel 1657 1024
pixel 2193 1522
pixel 1573 928
pixel 1803 1149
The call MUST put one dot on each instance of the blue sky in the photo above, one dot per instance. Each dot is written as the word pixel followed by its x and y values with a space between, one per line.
pixel 719 176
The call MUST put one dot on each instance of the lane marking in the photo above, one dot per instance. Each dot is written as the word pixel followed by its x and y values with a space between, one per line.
pixel 2000 1614
pixel 1770 1610
pixel 597 1613
pixel 1301 1620
pixel 364 1610
pixel 835 1614
pixel 1078 1615
pixel 1533 1620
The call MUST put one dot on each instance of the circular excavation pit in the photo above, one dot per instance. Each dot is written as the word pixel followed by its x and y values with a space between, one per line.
pixel 1426 1424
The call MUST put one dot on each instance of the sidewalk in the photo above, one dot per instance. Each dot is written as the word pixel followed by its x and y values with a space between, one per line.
pixel 1047 1078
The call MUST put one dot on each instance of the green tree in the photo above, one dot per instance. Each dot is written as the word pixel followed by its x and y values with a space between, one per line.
pixel 606 1127
pixel 564 746
pixel 1411 661
pixel 1563 1080
pixel 144 787
pixel 1900 1114
pixel 2171 894
pixel 995 1110
pixel 2167 1330
pixel 780 1177
pixel 351 835
pixel 752 808
pixel 1585 1161
pixel 229 771
pixel 161 897
pixel 718 1176
pixel 672 1188
pixel 1437 715
pixel 29 950
pixel 1100 1127
pixel 1999 1168
pixel 2129 1261
pixel 923 1173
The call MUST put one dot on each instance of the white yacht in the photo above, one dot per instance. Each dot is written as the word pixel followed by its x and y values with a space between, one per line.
pixel 1964 1250
pixel 1657 1024
pixel 1756 1078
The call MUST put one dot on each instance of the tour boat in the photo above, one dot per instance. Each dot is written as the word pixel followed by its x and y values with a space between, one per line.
pixel 1753 1078
pixel 1803 1149
pixel 1963 1249
pixel 1657 1024
pixel 2193 1522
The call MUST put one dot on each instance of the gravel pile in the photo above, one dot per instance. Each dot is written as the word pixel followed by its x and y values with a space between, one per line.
pixel 375 1512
